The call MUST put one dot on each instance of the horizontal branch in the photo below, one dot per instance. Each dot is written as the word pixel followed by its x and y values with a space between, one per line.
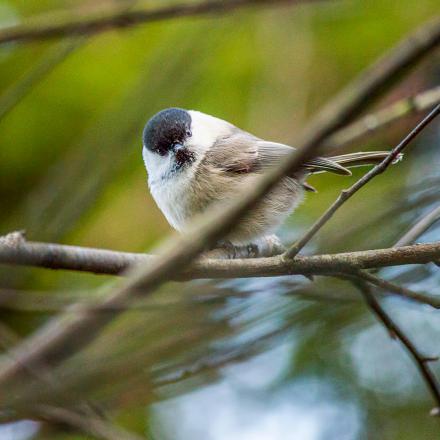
pixel 101 261
pixel 107 262
pixel 117 19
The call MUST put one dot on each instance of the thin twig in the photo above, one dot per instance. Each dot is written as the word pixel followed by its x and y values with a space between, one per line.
pixel 64 336
pixel 86 423
pixel 234 355
pixel 389 286
pixel 61 301
pixel 347 193
pixel 425 192
pixel 24 85
pixel 12 96
pixel 373 122
pixel 117 19
pixel 421 361
pixel 421 226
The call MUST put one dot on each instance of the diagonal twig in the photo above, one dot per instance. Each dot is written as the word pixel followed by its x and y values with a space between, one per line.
pixel 381 119
pixel 421 226
pixel 24 85
pixel 86 423
pixel 389 286
pixel 395 331
pixel 347 193
pixel 12 96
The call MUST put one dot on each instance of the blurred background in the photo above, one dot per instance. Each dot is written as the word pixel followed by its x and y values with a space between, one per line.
pixel 279 359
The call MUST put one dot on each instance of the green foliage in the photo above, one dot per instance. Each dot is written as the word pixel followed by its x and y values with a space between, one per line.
pixel 71 171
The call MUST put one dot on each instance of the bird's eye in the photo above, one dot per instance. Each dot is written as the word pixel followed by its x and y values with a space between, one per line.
pixel 188 133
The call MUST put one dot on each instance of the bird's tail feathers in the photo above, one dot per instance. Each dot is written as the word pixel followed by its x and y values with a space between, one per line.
pixel 340 164
pixel 360 159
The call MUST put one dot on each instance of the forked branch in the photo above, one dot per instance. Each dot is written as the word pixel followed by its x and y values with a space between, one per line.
pixel 395 331
pixel 375 171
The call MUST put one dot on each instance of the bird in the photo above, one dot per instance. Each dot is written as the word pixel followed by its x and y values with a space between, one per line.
pixel 195 160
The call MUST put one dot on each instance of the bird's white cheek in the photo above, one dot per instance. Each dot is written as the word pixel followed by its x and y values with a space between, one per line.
pixel 171 197
pixel 157 166
pixel 170 190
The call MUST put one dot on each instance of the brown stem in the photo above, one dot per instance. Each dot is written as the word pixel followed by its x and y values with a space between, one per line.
pixel 347 193
pixel 86 423
pixel 421 361
pixel 101 261
pixel 374 122
pixel 389 286
pixel 422 225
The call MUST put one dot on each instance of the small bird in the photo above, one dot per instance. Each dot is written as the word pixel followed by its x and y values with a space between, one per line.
pixel 194 160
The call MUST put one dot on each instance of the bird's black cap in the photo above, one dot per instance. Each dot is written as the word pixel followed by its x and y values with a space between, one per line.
pixel 165 129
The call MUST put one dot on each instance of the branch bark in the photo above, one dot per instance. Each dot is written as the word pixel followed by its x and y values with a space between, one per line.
pixel 381 119
pixel 64 336
pixel 421 226
pixel 84 423
pixel 101 261
pixel 388 286
pixel 24 85
pixel 107 262
pixel 395 331
pixel 346 194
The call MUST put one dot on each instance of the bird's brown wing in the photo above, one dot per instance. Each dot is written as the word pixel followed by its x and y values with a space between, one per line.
pixel 235 153
pixel 242 153
pixel 272 153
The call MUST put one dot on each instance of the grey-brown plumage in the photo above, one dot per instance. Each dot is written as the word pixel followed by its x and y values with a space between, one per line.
pixel 234 163
pixel 222 162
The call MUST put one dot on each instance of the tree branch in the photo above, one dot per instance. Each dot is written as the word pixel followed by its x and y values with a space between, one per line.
pixel 101 261
pixel 381 119
pixel 388 286
pixel 12 96
pixel 422 225
pixel 64 336
pixel 347 193
pixel 117 19
pixel 107 262
pixel 24 85
pixel 395 331
pixel 85 423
